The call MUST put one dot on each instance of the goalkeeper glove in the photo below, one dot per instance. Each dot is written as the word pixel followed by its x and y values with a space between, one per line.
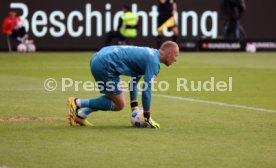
pixel 151 123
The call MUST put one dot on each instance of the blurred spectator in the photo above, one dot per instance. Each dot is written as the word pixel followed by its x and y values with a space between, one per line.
pixel 127 28
pixel 167 9
pixel 231 12
pixel 13 27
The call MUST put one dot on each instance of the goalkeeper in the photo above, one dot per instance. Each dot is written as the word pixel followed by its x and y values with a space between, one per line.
pixel 106 67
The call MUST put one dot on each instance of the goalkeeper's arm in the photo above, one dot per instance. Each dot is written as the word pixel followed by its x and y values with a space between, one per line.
pixel 146 100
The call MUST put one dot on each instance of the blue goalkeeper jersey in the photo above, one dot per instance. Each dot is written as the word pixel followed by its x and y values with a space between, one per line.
pixel 134 62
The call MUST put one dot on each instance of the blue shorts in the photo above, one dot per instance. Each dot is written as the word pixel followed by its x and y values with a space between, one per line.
pixel 107 79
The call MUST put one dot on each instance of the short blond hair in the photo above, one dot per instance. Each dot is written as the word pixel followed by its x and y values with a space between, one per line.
pixel 169 46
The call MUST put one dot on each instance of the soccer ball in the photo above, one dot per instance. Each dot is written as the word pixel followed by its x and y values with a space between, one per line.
pixel 31 47
pixel 22 48
pixel 137 118
pixel 250 48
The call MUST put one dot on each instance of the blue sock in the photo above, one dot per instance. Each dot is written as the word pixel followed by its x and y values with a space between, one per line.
pixel 100 103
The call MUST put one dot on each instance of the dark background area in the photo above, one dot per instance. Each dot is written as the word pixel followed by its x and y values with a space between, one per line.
pixel 258 21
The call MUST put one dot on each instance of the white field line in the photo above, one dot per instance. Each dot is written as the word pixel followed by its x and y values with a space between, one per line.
pixel 174 98
pixel 215 103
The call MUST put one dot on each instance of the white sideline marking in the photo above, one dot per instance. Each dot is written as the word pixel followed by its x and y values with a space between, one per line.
pixel 174 98
pixel 215 103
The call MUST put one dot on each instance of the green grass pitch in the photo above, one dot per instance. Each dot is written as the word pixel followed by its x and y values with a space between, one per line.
pixel 192 134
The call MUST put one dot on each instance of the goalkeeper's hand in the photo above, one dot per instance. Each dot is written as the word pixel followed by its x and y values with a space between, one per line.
pixel 151 123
